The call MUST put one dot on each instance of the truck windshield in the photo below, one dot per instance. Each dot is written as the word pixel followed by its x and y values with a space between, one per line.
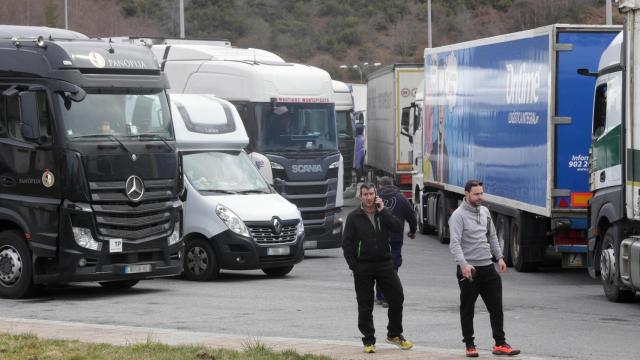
pixel 223 172
pixel 117 114
pixel 343 121
pixel 296 127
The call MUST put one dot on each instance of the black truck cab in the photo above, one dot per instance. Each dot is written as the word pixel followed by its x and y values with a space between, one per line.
pixel 89 175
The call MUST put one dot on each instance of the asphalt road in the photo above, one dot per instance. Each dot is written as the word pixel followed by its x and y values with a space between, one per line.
pixel 553 313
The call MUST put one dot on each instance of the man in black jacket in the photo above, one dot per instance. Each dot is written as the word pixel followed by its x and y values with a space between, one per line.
pixel 395 201
pixel 366 248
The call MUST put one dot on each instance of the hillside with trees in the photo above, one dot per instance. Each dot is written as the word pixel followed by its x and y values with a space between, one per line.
pixel 325 33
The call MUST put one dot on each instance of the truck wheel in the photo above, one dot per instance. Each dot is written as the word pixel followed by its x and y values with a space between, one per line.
pixel 423 228
pixel 200 261
pixel 608 271
pixel 443 227
pixel 119 285
pixel 16 271
pixel 278 271
pixel 515 247
pixel 502 231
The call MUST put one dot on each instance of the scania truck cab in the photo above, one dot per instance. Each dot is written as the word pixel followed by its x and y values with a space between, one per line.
pixel 289 113
pixel 344 120
pixel 88 169
pixel 233 219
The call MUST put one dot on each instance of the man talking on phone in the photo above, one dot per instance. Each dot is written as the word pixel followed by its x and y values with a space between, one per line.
pixel 365 243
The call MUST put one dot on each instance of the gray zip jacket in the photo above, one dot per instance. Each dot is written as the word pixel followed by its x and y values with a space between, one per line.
pixel 468 236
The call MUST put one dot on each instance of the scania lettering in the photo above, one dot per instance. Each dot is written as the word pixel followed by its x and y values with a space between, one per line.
pixel 89 174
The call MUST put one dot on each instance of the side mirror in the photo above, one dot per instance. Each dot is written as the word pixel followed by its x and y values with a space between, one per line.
pixel 30 127
pixel 404 121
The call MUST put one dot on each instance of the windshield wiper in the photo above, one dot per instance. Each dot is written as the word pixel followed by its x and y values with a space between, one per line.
pixel 253 191
pixel 219 191
pixel 155 137
pixel 109 136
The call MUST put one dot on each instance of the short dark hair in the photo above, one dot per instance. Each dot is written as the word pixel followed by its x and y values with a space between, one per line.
pixel 367 186
pixel 471 183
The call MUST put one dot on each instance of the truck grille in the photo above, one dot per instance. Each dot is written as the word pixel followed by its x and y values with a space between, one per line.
pixel 309 203
pixel 117 216
pixel 265 235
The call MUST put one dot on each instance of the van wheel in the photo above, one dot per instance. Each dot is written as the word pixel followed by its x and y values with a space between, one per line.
pixel 608 271
pixel 502 231
pixel 16 271
pixel 119 285
pixel 200 262
pixel 278 271
pixel 443 227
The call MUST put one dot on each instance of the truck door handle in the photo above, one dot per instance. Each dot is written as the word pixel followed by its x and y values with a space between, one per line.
pixel 603 176
pixel 7 181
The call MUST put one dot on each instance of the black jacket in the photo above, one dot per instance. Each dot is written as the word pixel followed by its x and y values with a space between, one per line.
pixel 395 201
pixel 361 242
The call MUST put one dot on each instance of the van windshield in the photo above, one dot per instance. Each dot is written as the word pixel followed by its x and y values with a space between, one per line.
pixel 296 127
pixel 223 172
pixel 117 114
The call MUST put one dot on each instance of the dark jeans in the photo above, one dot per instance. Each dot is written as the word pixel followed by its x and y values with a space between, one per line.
pixel 383 273
pixel 488 284
pixel 396 257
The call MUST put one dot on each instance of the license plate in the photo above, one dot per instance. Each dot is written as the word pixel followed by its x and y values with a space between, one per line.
pixel 115 245
pixel 278 251
pixel 310 244
pixel 134 269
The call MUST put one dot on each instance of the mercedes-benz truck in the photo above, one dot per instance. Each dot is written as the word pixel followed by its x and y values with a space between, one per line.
pixel 89 175
pixel 288 111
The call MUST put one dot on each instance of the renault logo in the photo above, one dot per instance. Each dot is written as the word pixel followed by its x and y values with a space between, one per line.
pixel 134 187
pixel 277 226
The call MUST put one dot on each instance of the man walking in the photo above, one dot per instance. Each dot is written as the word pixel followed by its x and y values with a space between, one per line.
pixel 366 249
pixel 400 207
pixel 473 240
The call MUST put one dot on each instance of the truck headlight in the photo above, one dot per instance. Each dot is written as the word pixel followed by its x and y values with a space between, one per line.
pixel 300 228
pixel 233 221
pixel 275 165
pixel 174 238
pixel 84 238
pixel 335 165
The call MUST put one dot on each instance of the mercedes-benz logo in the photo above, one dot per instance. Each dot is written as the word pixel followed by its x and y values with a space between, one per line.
pixel 277 226
pixel 134 188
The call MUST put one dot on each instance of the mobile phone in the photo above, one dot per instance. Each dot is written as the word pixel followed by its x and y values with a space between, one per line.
pixel 377 203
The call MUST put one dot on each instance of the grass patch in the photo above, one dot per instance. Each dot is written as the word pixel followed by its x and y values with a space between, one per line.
pixel 29 347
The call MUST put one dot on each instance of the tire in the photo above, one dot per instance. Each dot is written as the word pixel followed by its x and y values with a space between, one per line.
pixel 119 284
pixel 502 231
pixel 515 249
pixel 608 270
pixel 278 271
pixel 423 228
pixel 16 270
pixel 443 228
pixel 200 262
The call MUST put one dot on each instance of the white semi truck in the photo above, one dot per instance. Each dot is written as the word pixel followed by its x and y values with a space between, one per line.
pixel 289 113
pixel 344 120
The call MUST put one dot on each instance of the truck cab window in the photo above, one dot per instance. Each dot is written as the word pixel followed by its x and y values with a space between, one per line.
pixel 600 111
pixel 10 121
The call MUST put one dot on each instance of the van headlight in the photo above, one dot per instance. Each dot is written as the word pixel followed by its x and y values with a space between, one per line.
pixel 84 238
pixel 233 221
pixel 300 228
pixel 174 238
pixel 334 165
pixel 275 165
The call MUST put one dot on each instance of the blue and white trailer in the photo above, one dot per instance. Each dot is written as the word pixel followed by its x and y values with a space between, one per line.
pixel 512 112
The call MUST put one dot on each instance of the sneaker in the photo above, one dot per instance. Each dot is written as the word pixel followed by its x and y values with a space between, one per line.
pixel 369 349
pixel 400 342
pixel 472 351
pixel 504 349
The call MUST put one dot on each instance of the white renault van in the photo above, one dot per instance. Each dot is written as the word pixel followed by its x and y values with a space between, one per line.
pixel 233 219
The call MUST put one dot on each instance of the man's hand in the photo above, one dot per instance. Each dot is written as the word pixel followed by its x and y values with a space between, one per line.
pixel 411 235
pixel 379 204
pixel 502 265
pixel 467 271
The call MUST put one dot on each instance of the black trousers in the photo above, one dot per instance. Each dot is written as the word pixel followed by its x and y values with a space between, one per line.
pixel 488 284
pixel 385 275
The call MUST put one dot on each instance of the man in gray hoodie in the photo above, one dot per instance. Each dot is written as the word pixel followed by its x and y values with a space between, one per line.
pixel 473 241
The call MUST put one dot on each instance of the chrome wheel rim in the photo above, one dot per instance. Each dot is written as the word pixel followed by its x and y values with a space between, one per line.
pixel 10 265
pixel 607 264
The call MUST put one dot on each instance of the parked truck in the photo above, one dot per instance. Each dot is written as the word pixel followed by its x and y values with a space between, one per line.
pixel 614 221
pixel 510 111
pixel 289 113
pixel 389 152
pixel 89 173
pixel 233 219
pixel 345 125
